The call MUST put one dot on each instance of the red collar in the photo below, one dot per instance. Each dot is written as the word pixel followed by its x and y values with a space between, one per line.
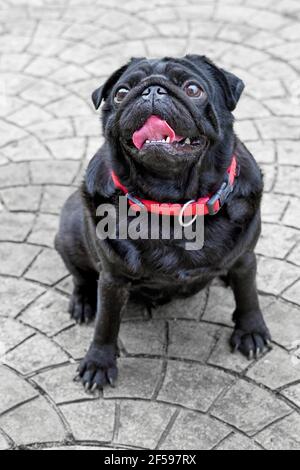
pixel 203 206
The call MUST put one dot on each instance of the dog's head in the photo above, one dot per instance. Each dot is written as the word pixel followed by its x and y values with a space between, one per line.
pixel 166 112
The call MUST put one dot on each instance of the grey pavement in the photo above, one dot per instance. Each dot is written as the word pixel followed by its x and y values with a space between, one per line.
pixel 179 386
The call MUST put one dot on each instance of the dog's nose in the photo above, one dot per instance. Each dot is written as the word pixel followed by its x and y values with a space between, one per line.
pixel 153 92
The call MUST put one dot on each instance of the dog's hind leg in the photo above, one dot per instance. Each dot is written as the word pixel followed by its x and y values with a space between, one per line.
pixel 70 244
pixel 83 301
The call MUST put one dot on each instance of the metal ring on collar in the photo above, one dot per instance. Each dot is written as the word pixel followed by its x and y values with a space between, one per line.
pixel 180 217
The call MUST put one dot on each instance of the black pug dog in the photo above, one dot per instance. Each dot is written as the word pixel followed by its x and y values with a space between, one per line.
pixel 169 138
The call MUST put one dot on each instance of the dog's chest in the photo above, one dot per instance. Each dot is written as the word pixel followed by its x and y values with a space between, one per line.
pixel 170 264
pixel 166 275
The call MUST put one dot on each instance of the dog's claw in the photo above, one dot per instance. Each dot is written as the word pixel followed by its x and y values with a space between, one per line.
pixel 87 386
pixel 251 355
pixel 112 375
pixel 94 388
pixel 112 382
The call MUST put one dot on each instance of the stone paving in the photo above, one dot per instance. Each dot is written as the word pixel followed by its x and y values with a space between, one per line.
pixel 179 386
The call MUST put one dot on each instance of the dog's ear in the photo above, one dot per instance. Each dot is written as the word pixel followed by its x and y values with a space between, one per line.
pixel 102 93
pixel 232 85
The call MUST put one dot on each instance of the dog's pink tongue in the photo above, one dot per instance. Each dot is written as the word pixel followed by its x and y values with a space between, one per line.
pixel 154 129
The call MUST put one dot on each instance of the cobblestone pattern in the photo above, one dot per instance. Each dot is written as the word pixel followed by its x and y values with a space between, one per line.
pixel 179 385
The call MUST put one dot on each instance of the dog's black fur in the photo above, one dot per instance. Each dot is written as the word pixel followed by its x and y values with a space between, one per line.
pixel 155 271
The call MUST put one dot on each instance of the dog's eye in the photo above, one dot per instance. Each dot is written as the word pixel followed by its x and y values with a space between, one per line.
pixel 120 94
pixel 193 90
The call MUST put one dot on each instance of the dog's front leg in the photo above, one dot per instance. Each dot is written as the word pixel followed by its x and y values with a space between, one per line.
pixel 99 367
pixel 251 334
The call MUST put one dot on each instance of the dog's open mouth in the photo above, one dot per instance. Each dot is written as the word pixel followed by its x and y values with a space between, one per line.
pixel 156 133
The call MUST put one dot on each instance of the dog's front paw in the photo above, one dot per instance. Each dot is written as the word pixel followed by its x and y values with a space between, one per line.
pixel 99 367
pixel 251 335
